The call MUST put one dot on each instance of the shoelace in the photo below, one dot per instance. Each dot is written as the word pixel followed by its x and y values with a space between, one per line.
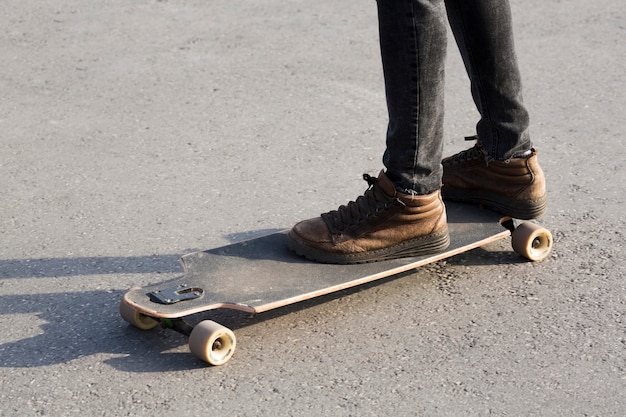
pixel 475 152
pixel 372 202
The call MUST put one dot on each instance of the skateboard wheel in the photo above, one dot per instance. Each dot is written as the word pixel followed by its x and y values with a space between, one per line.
pixel 132 316
pixel 212 342
pixel 532 241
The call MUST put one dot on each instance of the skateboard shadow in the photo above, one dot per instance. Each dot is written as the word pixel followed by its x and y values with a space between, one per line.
pixel 53 328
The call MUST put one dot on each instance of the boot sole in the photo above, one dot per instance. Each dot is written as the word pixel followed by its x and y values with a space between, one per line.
pixel 518 209
pixel 426 245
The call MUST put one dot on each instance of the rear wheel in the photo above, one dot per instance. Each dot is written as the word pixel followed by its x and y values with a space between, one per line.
pixel 531 241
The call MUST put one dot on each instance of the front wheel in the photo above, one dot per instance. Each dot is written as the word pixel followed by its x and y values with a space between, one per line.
pixel 212 342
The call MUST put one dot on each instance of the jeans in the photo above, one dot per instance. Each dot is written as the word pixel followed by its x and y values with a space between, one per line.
pixel 413 40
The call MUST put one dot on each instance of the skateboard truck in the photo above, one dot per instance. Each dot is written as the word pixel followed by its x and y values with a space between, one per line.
pixel 173 295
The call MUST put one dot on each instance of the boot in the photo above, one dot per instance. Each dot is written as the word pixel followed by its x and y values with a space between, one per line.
pixel 382 224
pixel 515 187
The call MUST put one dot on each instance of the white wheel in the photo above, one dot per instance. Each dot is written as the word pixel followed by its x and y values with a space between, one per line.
pixel 532 241
pixel 212 342
pixel 132 316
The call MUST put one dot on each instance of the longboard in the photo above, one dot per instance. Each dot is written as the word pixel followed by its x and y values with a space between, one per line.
pixel 262 274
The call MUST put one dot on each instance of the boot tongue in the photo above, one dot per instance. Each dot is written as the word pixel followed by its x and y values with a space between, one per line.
pixel 386 185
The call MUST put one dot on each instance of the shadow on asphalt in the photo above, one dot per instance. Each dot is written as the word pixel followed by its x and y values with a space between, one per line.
pixel 96 265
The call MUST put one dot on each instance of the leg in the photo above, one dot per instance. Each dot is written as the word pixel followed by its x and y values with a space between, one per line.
pixel 502 170
pixel 413 48
pixel 483 31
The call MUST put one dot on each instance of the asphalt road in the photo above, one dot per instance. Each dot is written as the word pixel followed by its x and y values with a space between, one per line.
pixel 132 132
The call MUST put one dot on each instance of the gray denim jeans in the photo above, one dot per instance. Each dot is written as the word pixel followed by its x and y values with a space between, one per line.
pixel 413 40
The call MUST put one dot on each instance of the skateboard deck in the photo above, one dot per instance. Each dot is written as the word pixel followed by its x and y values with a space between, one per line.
pixel 263 274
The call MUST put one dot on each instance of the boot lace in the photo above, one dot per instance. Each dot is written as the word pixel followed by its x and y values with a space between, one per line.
pixel 372 202
pixel 474 153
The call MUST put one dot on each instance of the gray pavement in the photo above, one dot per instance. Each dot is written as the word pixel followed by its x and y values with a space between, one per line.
pixel 132 132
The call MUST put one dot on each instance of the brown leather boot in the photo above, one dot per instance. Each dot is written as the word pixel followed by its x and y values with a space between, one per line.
pixel 382 224
pixel 515 187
